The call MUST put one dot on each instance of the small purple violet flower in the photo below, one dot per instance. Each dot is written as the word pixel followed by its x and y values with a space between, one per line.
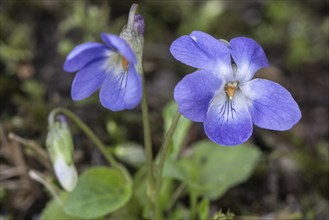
pixel 222 93
pixel 109 67
pixel 112 67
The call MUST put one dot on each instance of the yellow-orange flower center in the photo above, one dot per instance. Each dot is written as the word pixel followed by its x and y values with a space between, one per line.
pixel 230 89
pixel 125 63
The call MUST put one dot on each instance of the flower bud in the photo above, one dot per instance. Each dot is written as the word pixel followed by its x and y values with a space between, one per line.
pixel 133 33
pixel 130 153
pixel 60 149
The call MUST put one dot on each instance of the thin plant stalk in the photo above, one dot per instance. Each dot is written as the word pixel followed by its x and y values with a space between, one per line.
pixel 193 204
pixel 165 145
pixel 162 157
pixel 173 199
pixel 151 188
pixel 39 177
pixel 108 156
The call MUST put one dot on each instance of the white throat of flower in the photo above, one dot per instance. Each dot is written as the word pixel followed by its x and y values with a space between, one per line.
pixel 116 63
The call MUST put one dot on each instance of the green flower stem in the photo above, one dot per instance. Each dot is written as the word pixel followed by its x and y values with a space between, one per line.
pixel 162 158
pixel 151 190
pixel 173 199
pixel 108 156
pixel 147 129
pixel 165 145
pixel 193 204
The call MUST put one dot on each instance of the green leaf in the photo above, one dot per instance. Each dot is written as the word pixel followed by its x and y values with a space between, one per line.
pixel 100 190
pixel 181 130
pixel 212 169
pixel 181 213
pixel 138 202
pixel 203 209
pixel 54 210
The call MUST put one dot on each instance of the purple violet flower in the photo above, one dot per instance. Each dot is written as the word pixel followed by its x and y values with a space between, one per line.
pixel 222 93
pixel 110 67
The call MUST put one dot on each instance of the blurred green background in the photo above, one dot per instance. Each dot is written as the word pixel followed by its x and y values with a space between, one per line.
pixel 35 37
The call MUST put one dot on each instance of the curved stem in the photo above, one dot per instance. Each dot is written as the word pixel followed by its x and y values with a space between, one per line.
pixel 86 130
pixel 147 129
pixel 165 145
pixel 151 188
pixel 162 157
pixel 49 185
pixel 173 199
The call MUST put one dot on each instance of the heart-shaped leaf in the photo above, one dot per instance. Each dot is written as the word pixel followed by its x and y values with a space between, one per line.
pixel 54 210
pixel 212 169
pixel 100 190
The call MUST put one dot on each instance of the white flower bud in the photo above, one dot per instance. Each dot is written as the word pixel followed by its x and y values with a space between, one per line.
pixel 60 148
pixel 66 174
